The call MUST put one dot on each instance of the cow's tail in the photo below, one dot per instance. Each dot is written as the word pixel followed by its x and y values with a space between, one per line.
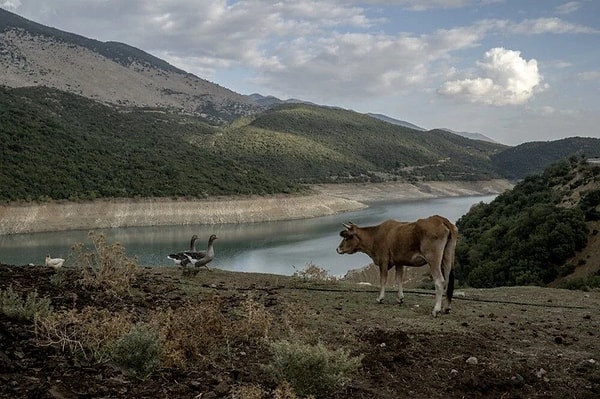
pixel 448 258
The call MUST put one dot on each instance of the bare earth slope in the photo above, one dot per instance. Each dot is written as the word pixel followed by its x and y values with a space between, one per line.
pixel 38 60
pixel 326 200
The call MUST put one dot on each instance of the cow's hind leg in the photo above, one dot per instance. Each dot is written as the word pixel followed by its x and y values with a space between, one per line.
pixel 449 291
pixel 438 280
pixel 383 271
pixel 448 268
pixel 399 277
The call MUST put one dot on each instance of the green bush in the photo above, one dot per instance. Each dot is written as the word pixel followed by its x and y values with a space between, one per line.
pixel 32 308
pixel 583 284
pixel 526 235
pixel 312 369
pixel 139 351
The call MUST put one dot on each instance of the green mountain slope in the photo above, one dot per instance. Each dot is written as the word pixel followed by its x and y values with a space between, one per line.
pixel 532 234
pixel 56 145
pixel 62 146
pixel 532 158
pixel 315 143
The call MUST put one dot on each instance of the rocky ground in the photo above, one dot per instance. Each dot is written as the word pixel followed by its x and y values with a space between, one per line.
pixel 521 342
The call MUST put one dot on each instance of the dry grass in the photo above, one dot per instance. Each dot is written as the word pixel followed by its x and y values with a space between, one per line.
pixel 191 333
pixel 89 333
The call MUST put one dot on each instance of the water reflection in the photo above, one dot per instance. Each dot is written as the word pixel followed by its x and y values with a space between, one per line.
pixel 272 247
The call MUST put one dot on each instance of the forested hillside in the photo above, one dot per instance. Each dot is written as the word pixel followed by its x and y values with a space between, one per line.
pixel 311 143
pixel 56 145
pixel 534 233
pixel 531 158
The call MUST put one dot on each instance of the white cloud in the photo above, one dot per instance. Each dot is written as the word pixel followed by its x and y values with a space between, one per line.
pixel 589 75
pixel 10 4
pixel 548 25
pixel 506 79
pixel 568 8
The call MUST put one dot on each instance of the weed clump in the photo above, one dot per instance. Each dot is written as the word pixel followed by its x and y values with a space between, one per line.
pixel 313 272
pixel 139 351
pixel 312 369
pixel 32 308
pixel 106 265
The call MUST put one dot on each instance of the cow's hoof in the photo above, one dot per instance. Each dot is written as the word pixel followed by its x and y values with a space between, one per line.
pixel 400 300
pixel 378 300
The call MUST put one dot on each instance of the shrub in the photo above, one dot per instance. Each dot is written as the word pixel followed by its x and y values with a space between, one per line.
pixel 139 351
pixel 314 272
pixel 90 333
pixel 192 333
pixel 32 308
pixel 312 369
pixel 583 284
pixel 106 265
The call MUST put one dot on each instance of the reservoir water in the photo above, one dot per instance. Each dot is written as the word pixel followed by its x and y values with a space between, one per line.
pixel 274 247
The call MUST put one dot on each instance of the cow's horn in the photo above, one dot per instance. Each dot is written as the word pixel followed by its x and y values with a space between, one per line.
pixel 349 225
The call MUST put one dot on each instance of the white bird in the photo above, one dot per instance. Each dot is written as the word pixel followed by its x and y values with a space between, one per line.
pixel 201 258
pixel 180 257
pixel 55 263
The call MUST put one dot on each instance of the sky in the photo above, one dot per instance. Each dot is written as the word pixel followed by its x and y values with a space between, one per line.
pixel 514 70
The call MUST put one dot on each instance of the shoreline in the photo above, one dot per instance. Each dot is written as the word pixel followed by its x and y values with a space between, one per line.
pixel 325 199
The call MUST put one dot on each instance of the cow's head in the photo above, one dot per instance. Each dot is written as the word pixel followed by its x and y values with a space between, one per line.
pixel 350 241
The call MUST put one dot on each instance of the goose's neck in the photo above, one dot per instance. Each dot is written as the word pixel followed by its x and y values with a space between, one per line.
pixel 210 251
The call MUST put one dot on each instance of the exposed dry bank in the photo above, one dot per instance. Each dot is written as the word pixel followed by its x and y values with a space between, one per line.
pixel 325 200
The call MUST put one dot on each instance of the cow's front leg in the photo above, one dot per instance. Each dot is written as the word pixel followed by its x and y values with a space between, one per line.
pixel 382 282
pixel 399 278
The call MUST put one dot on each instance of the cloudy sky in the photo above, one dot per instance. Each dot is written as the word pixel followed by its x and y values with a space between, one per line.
pixel 514 70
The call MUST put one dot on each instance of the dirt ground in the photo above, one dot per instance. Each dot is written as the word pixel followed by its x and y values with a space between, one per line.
pixel 521 342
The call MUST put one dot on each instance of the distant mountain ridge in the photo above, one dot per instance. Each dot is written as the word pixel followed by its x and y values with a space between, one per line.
pixel 398 122
pixel 32 54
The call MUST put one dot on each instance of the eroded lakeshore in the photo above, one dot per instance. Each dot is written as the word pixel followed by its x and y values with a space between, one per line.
pixel 324 200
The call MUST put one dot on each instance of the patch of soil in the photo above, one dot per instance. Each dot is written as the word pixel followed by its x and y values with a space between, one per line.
pixel 501 343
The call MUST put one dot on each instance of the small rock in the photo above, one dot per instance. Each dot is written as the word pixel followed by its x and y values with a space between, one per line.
pixel 222 388
pixel 540 373
pixel 558 340
pixel 587 316
pixel 472 360
pixel 518 380
pixel 591 361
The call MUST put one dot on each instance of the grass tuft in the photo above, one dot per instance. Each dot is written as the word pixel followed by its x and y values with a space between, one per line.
pixel 139 351
pixel 32 308
pixel 312 369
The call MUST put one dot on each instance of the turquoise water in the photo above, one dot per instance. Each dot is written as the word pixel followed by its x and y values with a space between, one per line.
pixel 274 247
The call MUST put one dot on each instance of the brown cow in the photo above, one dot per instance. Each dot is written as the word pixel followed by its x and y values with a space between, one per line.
pixel 391 244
